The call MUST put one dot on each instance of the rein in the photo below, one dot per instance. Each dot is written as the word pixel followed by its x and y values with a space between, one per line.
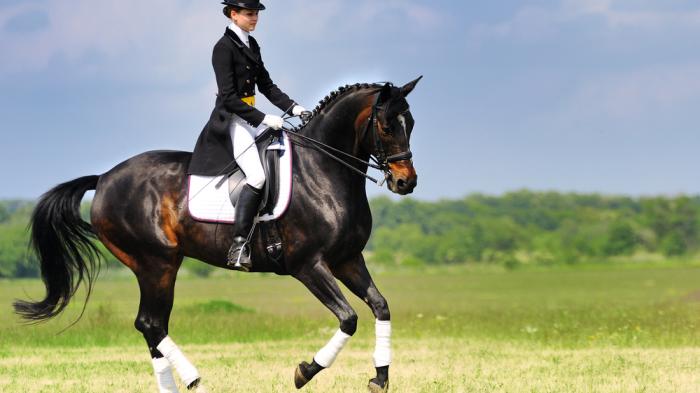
pixel 381 162
pixel 322 148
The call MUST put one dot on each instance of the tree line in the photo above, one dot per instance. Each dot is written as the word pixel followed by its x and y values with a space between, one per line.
pixel 522 227
pixel 526 227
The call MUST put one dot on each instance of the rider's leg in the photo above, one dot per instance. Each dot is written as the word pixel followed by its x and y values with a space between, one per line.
pixel 246 209
pixel 246 153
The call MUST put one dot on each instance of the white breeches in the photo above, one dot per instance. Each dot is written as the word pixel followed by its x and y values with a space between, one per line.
pixel 245 151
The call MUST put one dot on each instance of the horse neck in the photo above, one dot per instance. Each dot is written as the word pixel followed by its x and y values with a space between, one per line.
pixel 341 126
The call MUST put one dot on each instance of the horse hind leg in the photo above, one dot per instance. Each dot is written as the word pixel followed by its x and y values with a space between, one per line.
pixel 356 278
pixel 157 285
pixel 319 280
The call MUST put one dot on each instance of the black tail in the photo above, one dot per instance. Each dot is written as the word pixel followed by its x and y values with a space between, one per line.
pixel 62 243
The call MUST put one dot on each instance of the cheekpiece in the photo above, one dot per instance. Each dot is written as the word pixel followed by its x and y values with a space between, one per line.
pixel 249 5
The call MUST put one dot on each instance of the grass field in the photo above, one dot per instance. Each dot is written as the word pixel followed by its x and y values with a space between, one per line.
pixel 459 330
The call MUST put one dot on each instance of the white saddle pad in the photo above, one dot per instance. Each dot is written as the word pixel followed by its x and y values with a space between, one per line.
pixel 208 203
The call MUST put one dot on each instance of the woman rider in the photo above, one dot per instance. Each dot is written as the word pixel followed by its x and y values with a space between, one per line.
pixel 233 124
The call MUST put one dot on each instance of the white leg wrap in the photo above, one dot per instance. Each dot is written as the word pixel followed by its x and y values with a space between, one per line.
pixel 326 356
pixel 164 376
pixel 188 373
pixel 382 350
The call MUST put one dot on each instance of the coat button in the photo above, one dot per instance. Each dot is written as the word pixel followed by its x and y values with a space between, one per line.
pixel 247 67
pixel 247 81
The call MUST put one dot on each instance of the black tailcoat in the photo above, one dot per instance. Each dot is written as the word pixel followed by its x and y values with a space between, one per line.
pixel 238 70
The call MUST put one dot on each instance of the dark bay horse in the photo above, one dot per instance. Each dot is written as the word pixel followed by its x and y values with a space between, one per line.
pixel 139 213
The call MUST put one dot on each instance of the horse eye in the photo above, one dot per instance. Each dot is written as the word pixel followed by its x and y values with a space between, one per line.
pixel 389 128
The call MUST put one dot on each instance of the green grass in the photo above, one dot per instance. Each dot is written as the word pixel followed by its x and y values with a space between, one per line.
pixel 461 330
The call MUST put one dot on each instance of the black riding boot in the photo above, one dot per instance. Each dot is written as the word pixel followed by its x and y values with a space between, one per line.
pixel 246 210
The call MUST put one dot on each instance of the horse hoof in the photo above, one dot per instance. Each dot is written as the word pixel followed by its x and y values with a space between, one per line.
pixel 299 379
pixel 197 387
pixel 374 387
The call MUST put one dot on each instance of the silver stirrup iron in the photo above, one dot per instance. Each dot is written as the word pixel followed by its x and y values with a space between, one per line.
pixel 240 254
pixel 238 265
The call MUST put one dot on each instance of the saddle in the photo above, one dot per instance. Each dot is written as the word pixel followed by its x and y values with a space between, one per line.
pixel 270 145
pixel 209 200
pixel 208 197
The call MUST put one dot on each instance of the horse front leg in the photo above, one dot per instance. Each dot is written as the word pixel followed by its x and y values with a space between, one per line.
pixel 318 278
pixel 357 279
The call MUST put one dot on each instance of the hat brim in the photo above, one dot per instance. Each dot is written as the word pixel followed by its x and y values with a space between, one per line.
pixel 245 6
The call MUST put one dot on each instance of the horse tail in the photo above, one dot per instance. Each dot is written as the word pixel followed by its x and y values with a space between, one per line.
pixel 62 242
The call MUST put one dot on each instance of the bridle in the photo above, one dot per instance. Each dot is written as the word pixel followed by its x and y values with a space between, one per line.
pixel 382 160
pixel 379 160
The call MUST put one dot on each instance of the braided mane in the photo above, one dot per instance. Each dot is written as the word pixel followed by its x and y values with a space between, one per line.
pixel 341 91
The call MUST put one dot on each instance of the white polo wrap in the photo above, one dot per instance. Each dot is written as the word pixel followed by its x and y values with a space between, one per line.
pixel 326 356
pixel 188 373
pixel 382 349
pixel 164 376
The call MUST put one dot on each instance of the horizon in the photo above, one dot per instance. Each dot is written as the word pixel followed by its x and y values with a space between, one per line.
pixel 398 198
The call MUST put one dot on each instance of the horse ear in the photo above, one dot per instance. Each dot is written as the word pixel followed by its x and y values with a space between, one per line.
pixel 406 90
pixel 385 93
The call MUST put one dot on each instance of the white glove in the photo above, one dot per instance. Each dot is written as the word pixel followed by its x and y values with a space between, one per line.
pixel 274 122
pixel 297 110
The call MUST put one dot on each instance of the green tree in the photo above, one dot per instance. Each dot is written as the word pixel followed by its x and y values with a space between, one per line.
pixel 198 268
pixel 4 214
pixel 673 245
pixel 15 258
pixel 621 239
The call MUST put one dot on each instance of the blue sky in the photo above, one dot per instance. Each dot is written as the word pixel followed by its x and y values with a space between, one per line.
pixel 567 95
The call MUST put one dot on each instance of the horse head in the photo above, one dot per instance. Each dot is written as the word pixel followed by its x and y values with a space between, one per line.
pixel 392 133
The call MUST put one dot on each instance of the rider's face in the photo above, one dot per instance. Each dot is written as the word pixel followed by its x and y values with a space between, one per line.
pixel 245 19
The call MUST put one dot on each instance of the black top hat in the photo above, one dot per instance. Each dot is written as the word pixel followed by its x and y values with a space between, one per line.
pixel 249 5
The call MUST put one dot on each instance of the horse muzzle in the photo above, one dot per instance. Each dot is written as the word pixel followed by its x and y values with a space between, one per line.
pixel 402 177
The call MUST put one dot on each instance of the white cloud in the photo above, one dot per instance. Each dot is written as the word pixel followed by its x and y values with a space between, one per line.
pixel 527 24
pixel 78 28
pixel 634 96
pixel 630 17
pixel 169 41
pixel 534 22
pixel 331 18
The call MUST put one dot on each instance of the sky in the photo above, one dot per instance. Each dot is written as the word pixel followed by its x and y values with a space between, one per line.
pixel 563 95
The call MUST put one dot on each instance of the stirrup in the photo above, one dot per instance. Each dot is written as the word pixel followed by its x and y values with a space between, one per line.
pixel 238 257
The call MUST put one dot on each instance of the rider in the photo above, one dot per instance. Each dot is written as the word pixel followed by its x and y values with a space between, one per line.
pixel 234 123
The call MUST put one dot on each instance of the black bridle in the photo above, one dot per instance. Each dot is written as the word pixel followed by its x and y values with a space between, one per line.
pixel 379 160
pixel 382 159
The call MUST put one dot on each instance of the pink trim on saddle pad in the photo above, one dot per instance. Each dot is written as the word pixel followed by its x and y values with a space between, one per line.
pixel 207 203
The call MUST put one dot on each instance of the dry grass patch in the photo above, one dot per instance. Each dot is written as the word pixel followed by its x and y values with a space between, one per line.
pixel 426 365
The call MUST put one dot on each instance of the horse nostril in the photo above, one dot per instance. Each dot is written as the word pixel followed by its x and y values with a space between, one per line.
pixel 401 183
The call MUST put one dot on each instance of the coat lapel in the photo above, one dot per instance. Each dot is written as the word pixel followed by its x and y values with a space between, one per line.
pixel 237 41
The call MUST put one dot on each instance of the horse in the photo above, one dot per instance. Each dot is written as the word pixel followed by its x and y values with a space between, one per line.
pixel 139 213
